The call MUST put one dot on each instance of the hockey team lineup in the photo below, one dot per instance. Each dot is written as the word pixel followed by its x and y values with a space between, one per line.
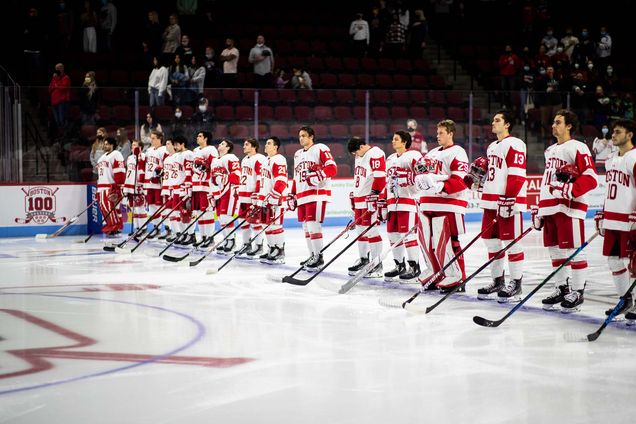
pixel 176 195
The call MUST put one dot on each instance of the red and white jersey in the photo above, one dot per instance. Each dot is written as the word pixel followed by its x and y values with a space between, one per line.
pixel 571 152
pixel 620 200
pixel 134 172
pixel 180 172
pixel 201 180
pixel 453 162
pixel 316 157
pixel 506 173
pixel 110 170
pixel 401 198
pixel 369 173
pixel 229 166
pixel 170 174
pixel 250 170
pixel 154 159
pixel 273 177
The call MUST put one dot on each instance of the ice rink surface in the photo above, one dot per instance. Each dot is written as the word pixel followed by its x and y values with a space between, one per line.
pixel 88 336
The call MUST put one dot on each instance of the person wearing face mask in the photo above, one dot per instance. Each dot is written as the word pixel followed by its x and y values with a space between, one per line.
pixel 593 77
pixel 97 149
pixel 418 143
pixel 229 57
pixel 584 51
pixel 549 98
pixel 59 90
pixel 203 118
pixel 603 148
pixel 89 98
pixel 603 48
pixel 179 125
pixel 550 42
pixel 212 70
pixel 569 40
pixel 609 80
pixel 262 58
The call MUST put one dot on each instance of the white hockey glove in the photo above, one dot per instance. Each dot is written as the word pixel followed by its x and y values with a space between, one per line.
pixel 599 217
pixel 292 203
pixel 405 178
pixel 506 206
pixel 561 190
pixel 316 177
pixel 537 221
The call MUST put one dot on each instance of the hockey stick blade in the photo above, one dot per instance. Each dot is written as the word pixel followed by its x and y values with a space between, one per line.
pixel 295 281
pixel 41 236
pixel 595 335
pixel 170 258
pixel 486 322
pixel 110 248
pixel 391 302
pixel 212 271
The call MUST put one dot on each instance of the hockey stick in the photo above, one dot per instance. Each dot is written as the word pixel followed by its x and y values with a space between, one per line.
pixel 194 221
pixel 132 249
pixel 372 264
pixel 140 229
pixel 249 242
pixel 471 276
pixel 325 247
pixel 593 336
pixel 104 219
pixel 65 226
pixel 297 282
pixel 180 258
pixel 445 267
pixel 489 323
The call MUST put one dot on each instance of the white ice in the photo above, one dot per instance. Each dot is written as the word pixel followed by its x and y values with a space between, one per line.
pixel 93 337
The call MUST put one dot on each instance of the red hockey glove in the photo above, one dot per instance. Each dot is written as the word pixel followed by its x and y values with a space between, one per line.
pixel 292 202
pixel 537 221
pixel 598 220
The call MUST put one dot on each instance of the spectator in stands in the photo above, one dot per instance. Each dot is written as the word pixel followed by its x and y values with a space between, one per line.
pixel 600 107
pixel 281 82
pixel 579 95
pixel 603 48
pixel 171 36
pixel 548 97
pixel 569 41
pixel 561 61
pixel 395 38
pixel 550 42
pixel 60 92
pixel 212 70
pixel 184 50
pixel 97 149
pixel 417 35
pixel 203 118
pixel 609 80
pixel 149 125
pixel 152 34
pixel 123 143
pixel 88 20
pixel 359 32
pixel 377 29
pixel 196 74
pixel 584 51
pixel 179 125
pixel 301 79
pixel 229 57
pixel 32 45
pixel 157 83
pixel 89 98
pixel 542 60
pixel 509 66
pixel 107 24
pixel 64 28
pixel 593 76
pixel 615 106
pixel 418 143
pixel 178 78
pixel 603 148
pixel 628 106
pixel 526 96
pixel 262 58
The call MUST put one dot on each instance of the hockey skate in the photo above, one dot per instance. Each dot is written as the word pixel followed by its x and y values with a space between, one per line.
pixel 188 239
pixel 206 242
pixel 243 250
pixel 165 235
pixel 572 301
pixel 173 238
pixel 255 251
pixel 360 263
pixel 557 296
pixel 227 247
pixel 276 255
pixel 630 316
pixel 400 268
pixel 154 233
pixel 315 263
pixel 511 292
pixel 625 307
pixel 201 242
pixel 412 273
pixel 485 293
pixel 376 272
pixel 264 258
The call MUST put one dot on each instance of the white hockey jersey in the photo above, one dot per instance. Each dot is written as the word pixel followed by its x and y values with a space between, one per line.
pixel 317 157
pixel 401 198
pixel 154 159
pixel 134 172
pixel 571 152
pixel 201 179
pixel 366 169
pixel 250 170
pixel 620 199
pixel 225 168
pixel 273 178
pixel 452 162
pixel 506 174
pixel 110 170
pixel 170 174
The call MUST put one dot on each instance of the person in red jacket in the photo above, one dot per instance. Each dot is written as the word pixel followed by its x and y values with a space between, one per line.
pixel 59 89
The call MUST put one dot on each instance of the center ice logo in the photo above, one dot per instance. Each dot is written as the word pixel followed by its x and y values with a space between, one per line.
pixel 39 206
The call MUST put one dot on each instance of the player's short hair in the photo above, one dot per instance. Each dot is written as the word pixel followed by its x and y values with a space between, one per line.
pixel 405 136
pixel 355 143
pixel 275 140
pixel 206 135
pixel 449 124
pixel 179 140
pixel 230 145
pixel 628 124
pixel 508 117
pixel 569 118
pixel 111 141
pixel 253 142
pixel 309 130
pixel 158 134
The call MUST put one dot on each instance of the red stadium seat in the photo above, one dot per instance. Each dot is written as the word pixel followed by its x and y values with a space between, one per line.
pixel 265 113
pixel 283 113
pixel 244 113
pixel 342 113
pixel 339 131
pixel 303 113
pixel 323 113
